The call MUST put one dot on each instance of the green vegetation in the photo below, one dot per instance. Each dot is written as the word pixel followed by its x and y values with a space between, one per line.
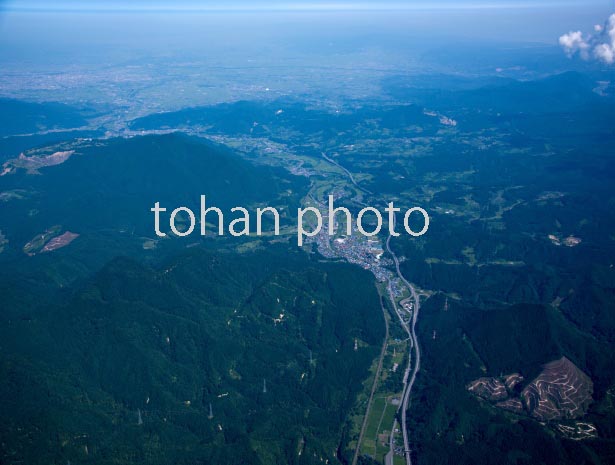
pixel 18 117
pixel 139 353
pixel 114 346
pixel 112 352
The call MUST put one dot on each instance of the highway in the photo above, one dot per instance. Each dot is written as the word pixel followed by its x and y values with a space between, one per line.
pixel 412 369
pixel 345 170
pixel 410 329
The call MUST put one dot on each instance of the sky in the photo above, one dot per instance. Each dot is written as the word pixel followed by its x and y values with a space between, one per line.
pixel 105 44
pixel 25 25
pixel 290 4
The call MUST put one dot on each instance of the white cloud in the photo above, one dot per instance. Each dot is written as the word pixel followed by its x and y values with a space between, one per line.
pixel 574 42
pixel 600 46
pixel 605 52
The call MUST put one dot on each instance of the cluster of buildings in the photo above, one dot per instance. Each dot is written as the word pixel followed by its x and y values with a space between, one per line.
pixel 357 249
